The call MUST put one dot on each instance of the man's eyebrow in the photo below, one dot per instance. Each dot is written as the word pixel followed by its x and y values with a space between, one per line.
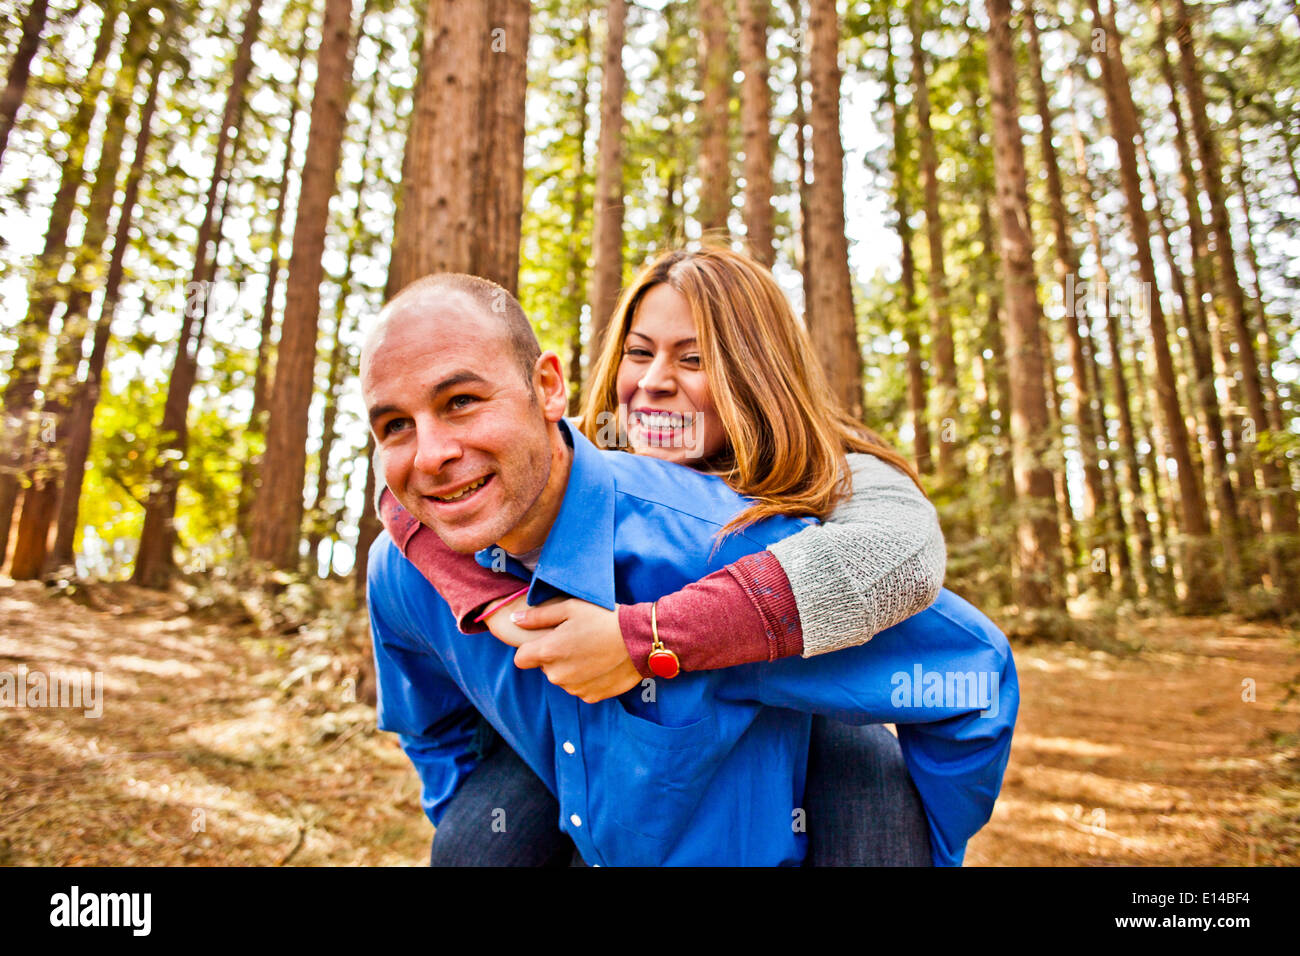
pixel 379 411
pixel 677 344
pixel 460 377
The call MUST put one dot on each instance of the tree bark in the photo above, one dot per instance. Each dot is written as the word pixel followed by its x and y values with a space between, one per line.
pixel 715 81
pixel 1197 323
pixel 1039 551
pixel 277 510
pixel 24 374
pixel 500 175
pixel 87 397
pixel 249 472
pixel 436 219
pixel 944 354
pixel 917 389
pixel 1279 505
pixel 756 124
pixel 801 158
pixel 575 291
pixel 833 326
pixel 20 69
pixel 607 234
pixel 155 561
pixel 1202 580
pixel 40 503
pixel 1067 275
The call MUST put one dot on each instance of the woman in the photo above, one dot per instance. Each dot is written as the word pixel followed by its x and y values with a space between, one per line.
pixel 704 364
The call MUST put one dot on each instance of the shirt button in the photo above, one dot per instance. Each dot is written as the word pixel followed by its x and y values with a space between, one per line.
pixel 575 819
pixel 569 748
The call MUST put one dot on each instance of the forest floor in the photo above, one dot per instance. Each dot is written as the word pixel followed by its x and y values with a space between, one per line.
pixel 220 745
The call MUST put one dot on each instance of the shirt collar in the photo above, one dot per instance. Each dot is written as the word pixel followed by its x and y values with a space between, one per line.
pixel 578 556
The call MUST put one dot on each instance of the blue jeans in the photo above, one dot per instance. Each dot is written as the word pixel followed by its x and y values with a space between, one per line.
pixel 862 808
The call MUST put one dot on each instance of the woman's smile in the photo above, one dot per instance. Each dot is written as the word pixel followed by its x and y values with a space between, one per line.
pixel 663 384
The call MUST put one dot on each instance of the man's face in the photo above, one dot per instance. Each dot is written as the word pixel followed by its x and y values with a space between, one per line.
pixel 463 441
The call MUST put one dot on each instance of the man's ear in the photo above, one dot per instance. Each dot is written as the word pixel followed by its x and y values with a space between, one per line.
pixel 549 386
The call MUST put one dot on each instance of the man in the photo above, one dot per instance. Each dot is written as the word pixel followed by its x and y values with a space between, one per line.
pixel 705 768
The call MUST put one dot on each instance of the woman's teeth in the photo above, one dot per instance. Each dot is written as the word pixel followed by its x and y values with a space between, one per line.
pixel 664 419
pixel 464 491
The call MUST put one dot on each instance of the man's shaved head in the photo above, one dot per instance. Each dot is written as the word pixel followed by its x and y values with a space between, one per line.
pixel 491 299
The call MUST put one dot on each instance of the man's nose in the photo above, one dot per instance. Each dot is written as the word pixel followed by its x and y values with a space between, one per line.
pixel 658 377
pixel 435 448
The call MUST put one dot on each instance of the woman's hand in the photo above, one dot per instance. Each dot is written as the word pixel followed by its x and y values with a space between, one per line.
pixel 505 630
pixel 578 646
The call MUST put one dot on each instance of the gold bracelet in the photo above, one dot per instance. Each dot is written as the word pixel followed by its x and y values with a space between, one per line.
pixel 662 662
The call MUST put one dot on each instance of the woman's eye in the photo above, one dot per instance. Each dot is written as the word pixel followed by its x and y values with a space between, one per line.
pixel 637 352
pixel 692 361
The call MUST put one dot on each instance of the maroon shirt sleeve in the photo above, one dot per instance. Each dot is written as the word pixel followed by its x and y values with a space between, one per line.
pixel 464 584
pixel 753 596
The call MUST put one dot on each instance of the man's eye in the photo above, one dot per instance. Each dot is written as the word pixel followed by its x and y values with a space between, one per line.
pixel 461 401
pixel 395 425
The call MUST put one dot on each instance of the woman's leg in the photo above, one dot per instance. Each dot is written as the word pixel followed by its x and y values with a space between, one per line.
pixel 863 809
pixel 502 815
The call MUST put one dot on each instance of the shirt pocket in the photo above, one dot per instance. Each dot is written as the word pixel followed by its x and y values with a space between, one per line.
pixel 657 776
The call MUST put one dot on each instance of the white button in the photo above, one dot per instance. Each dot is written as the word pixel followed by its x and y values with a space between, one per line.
pixel 568 747
pixel 575 819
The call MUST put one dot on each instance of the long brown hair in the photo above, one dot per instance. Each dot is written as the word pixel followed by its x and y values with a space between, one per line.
pixel 787 434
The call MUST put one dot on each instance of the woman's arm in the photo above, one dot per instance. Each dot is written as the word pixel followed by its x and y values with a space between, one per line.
pixel 877 560
pixel 465 585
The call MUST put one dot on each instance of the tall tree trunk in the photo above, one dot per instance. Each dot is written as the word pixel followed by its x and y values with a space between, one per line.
pixel 1279 505
pixel 801 157
pixel 1203 582
pixel 1123 402
pixel 1201 378
pixel 1039 553
pixel 339 362
pixel 436 219
pixel 607 233
pixel 155 561
pixel 575 289
pixel 1277 418
pixel 990 278
pixel 20 68
pixel 40 503
pixel 756 125
pixel 1067 274
pixel 24 374
pixel 715 81
pixel 87 396
pixel 249 470
pixel 500 174
pixel 369 526
pixel 945 362
pixel 277 510
pixel 833 326
pixel 1197 323
pixel 917 390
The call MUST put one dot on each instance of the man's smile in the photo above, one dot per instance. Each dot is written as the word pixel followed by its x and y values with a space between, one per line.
pixel 460 493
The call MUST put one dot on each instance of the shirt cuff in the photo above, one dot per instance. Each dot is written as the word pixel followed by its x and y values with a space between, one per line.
pixel 764 582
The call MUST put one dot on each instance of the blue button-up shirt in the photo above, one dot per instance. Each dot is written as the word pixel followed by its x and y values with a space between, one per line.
pixel 707 768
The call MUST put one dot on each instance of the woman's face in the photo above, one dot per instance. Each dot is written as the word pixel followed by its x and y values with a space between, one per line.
pixel 670 412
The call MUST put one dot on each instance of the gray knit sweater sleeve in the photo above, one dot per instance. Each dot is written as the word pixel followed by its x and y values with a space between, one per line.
pixel 876 561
